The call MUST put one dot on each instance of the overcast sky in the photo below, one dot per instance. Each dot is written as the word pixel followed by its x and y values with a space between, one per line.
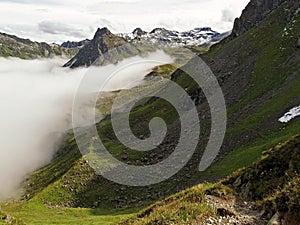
pixel 60 20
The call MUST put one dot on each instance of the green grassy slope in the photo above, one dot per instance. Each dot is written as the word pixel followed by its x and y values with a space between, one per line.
pixel 272 89
pixel 272 182
pixel 37 214
pixel 7 219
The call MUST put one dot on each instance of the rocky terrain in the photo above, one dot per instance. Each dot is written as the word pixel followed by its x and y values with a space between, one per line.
pixel 265 193
pixel 253 14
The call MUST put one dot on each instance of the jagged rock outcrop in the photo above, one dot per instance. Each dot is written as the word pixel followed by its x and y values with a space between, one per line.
pixel 99 50
pixel 254 12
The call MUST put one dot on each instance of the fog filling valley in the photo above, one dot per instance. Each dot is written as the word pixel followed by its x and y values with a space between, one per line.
pixel 36 109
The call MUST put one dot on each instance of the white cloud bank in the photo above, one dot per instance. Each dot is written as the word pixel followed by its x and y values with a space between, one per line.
pixel 36 103
pixel 57 21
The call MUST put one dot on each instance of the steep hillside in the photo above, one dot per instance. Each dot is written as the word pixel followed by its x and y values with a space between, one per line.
pixel 266 191
pixel 12 46
pixel 273 182
pixel 259 72
pixel 253 14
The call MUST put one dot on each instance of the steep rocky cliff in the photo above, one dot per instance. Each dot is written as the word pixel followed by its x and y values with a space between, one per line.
pixel 254 12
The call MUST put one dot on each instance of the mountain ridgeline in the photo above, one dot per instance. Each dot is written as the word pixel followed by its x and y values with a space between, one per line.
pixel 204 36
pixel 107 48
pixel 13 46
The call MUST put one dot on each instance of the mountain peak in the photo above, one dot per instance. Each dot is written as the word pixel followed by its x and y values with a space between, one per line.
pixel 102 31
pixel 139 32
pixel 103 42
pixel 158 30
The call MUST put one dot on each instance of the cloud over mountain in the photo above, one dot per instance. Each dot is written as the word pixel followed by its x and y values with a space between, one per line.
pixel 58 21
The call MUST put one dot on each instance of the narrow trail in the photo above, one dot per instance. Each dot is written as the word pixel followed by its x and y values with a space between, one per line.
pixel 232 210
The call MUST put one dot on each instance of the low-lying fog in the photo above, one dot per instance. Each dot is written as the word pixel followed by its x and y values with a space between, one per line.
pixel 36 103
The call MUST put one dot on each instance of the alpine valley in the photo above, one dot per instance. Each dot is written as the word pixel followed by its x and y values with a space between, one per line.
pixel 255 177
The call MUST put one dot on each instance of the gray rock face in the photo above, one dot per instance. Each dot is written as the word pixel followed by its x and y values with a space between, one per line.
pixel 254 12
pixel 97 51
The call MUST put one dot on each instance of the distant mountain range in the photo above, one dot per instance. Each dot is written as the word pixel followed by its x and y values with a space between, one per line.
pixel 160 36
pixel 138 41
pixel 13 46
pixel 85 52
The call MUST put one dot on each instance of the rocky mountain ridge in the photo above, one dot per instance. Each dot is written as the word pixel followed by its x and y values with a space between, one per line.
pixel 204 36
pixel 96 51
pixel 254 12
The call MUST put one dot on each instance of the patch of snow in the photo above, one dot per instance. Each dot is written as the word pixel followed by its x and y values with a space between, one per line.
pixel 161 36
pixel 294 112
